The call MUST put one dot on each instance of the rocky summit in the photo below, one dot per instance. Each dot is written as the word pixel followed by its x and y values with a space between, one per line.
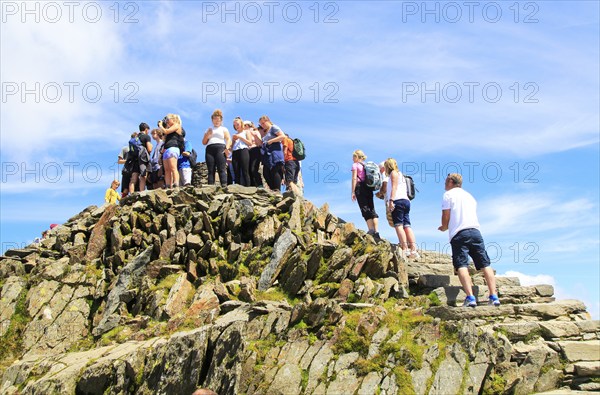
pixel 243 291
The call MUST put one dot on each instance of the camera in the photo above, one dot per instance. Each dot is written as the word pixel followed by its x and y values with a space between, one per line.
pixel 164 122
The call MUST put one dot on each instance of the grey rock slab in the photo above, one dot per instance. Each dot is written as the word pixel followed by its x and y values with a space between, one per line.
pixel 130 274
pixel 449 375
pixel 576 351
pixel 317 368
pixel 8 300
pixel 551 310
pixel 370 384
pixel 553 329
pixel 281 250
pixel 588 368
pixel 287 381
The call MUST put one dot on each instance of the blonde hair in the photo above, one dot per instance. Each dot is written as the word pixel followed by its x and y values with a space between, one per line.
pixel 176 118
pixel 217 113
pixel 359 155
pixel 390 165
pixel 115 182
pixel 241 123
pixel 455 178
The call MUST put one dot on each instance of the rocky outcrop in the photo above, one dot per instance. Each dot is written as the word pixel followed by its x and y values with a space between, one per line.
pixel 245 291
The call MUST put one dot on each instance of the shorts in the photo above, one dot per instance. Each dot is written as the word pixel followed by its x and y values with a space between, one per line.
pixel 172 152
pixel 469 242
pixel 292 168
pixel 185 176
pixel 400 213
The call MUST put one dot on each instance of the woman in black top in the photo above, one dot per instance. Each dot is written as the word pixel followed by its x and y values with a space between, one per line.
pixel 173 135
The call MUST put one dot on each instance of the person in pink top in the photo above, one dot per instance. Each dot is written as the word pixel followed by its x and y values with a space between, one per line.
pixel 362 193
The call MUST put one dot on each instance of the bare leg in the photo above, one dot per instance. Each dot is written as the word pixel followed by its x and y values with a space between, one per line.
pixel 142 184
pixel 400 232
pixel 465 280
pixel 370 225
pixel 410 238
pixel 133 181
pixel 490 279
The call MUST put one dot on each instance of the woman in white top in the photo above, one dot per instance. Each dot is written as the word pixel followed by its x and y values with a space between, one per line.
pixel 241 154
pixel 218 143
pixel 399 205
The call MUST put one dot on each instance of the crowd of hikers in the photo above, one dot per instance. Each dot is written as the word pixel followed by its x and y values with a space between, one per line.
pixel 235 157
pixel 459 218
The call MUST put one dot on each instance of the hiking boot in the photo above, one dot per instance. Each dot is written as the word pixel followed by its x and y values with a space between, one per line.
pixel 470 301
pixel 494 301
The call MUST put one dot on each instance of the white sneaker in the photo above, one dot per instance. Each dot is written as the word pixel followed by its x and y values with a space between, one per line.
pixel 415 255
pixel 407 253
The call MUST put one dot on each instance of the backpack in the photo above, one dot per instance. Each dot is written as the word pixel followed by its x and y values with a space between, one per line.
pixel 298 151
pixel 135 146
pixel 193 158
pixel 373 177
pixel 410 187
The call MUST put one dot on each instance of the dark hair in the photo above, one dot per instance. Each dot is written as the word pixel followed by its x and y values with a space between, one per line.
pixel 144 126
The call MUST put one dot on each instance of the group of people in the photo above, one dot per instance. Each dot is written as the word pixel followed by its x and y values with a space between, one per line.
pixel 236 157
pixel 459 217
pixel 233 157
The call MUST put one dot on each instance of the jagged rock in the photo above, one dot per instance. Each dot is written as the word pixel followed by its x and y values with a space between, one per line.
pixel 369 322
pixel 293 274
pixel 281 251
pixel 167 250
pixel 449 375
pixel 247 290
pixel 11 267
pixel 191 239
pixel 265 231
pixel 11 290
pixel 98 241
pixel 178 296
pixel 128 277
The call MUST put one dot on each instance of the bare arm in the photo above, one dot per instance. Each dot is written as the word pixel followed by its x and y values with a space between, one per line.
pixel 207 136
pixel 354 181
pixel 445 220
pixel 280 136
pixel 173 129
pixel 227 140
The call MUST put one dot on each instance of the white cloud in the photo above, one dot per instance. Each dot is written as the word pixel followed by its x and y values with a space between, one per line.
pixel 529 213
pixel 528 280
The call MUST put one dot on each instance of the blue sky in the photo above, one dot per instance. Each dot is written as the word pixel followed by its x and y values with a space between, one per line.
pixel 505 92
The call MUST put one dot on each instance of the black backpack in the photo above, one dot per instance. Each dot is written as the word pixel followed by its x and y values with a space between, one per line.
pixel 193 158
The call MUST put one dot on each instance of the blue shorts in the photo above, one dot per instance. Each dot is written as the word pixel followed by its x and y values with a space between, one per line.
pixel 172 152
pixel 469 242
pixel 400 213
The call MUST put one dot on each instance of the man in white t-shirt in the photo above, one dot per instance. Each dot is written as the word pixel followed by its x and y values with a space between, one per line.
pixel 459 217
